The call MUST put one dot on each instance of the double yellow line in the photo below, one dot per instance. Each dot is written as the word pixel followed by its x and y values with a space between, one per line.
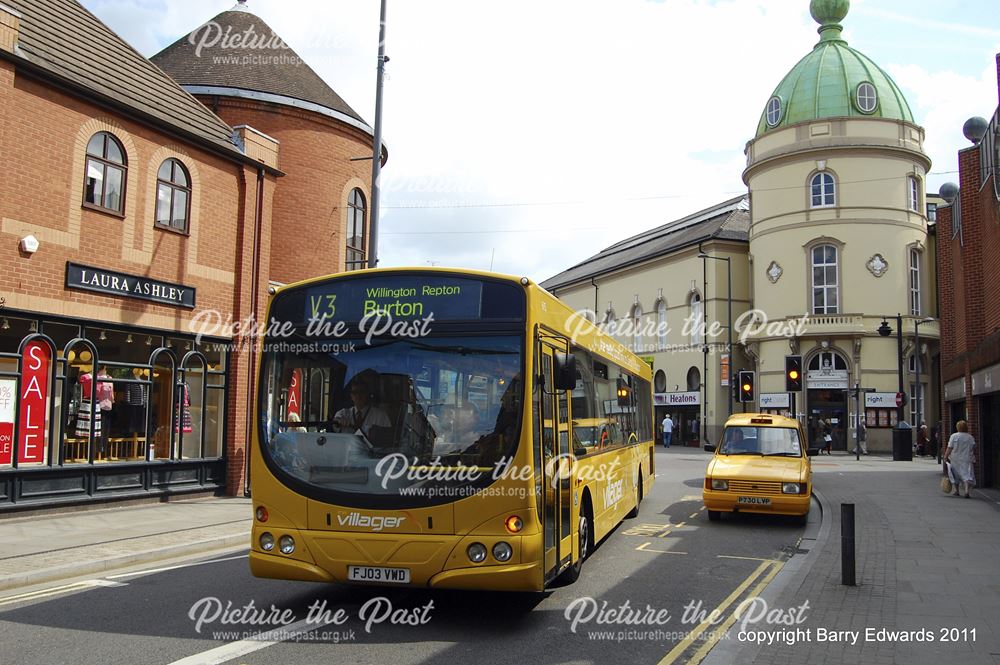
pixel 763 575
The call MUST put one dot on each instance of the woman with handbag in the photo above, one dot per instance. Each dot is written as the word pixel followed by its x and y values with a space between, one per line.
pixel 961 456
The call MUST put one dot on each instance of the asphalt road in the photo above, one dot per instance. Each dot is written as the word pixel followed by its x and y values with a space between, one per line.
pixel 636 602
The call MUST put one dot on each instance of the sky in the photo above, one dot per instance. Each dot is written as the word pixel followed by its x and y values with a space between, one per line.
pixel 526 136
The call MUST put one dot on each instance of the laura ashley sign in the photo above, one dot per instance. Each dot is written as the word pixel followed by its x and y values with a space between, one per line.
pixel 114 283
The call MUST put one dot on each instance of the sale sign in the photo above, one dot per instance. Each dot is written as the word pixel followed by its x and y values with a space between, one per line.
pixel 295 395
pixel 8 390
pixel 35 365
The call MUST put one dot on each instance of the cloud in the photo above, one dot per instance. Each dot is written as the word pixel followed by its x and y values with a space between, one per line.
pixel 534 134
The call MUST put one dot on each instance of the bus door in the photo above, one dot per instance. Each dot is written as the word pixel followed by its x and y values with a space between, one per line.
pixel 552 420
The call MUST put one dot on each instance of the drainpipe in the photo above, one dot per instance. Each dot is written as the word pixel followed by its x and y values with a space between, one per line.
pixel 254 294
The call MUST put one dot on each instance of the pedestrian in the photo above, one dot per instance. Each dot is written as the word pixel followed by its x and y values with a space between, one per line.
pixel 923 440
pixel 961 454
pixel 827 430
pixel 668 430
pixel 861 434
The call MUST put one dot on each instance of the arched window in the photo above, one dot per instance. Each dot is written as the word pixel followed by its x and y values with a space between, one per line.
pixel 661 323
pixel 104 179
pixel 914 282
pixel 637 329
pixel 356 226
pixel 697 320
pixel 173 196
pixel 827 360
pixel 694 380
pixel 823 190
pixel 825 280
pixel 660 381
pixel 914 194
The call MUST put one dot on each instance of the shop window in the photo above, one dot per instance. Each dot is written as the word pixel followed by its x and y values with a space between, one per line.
pixel 84 419
pixel 189 419
pixel 12 331
pixel 215 408
pixel 823 191
pixel 106 169
pixel 173 196
pixel 161 404
pixel 356 236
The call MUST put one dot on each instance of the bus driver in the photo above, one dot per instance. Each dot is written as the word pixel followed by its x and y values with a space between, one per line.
pixel 363 416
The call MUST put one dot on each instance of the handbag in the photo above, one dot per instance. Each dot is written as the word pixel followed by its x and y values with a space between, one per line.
pixel 946 484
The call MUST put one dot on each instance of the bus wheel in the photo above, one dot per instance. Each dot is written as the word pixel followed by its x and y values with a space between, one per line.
pixel 572 573
pixel 638 499
pixel 714 516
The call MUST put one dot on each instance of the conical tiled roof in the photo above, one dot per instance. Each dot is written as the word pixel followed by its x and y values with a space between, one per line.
pixel 238 50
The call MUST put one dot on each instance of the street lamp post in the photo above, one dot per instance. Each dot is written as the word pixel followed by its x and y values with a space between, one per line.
pixel 919 396
pixel 885 330
pixel 729 328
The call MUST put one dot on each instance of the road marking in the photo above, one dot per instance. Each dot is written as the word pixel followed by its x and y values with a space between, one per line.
pixel 645 530
pixel 693 515
pixel 150 571
pixel 259 641
pixel 55 591
pixel 745 558
pixel 645 548
pixel 683 645
pixel 717 634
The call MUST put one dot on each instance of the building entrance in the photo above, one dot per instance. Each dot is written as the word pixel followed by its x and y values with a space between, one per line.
pixel 828 406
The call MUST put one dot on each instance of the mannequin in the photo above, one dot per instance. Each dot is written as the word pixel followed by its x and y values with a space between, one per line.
pixel 83 411
pixel 135 405
pixel 105 402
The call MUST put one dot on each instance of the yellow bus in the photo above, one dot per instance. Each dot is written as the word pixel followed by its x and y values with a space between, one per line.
pixel 441 428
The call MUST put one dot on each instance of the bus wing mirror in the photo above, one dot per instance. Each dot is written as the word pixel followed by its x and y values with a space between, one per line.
pixel 564 367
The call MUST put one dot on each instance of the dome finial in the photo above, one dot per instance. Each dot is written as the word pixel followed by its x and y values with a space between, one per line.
pixel 829 14
pixel 241 6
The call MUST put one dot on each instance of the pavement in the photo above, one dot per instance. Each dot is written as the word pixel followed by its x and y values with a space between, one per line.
pixel 60 546
pixel 926 562
pixel 927 575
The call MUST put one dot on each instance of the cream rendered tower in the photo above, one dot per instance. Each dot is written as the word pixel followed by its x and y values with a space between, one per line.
pixel 839 238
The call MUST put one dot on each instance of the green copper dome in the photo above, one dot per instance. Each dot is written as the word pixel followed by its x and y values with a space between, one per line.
pixel 833 80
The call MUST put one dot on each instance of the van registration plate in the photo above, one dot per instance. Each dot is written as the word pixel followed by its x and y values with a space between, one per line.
pixel 754 500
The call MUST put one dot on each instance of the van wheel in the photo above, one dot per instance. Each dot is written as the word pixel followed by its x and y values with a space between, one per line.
pixel 714 516
pixel 572 573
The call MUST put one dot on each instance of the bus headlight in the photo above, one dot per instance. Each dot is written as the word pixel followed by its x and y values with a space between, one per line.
pixel 502 552
pixel 720 484
pixel 266 541
pixel 261 513
pixel 286 544
pixel 476 552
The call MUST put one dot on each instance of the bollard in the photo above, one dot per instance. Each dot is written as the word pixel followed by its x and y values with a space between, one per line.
pixel 847 544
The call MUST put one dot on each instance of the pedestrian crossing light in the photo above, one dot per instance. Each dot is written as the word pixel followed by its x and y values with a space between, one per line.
pixel 746 386
pixel 793 374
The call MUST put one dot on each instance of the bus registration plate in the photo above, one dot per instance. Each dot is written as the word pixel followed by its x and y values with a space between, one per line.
pixel 754 500
pixel 373 574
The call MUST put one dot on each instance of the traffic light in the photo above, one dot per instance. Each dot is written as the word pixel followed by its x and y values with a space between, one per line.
pixel 746 386
pixel 624 397
pixel 793 374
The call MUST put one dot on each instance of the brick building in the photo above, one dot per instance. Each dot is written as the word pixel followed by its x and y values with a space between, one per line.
pixel 968 240
pixel 130 215
pixel 254 78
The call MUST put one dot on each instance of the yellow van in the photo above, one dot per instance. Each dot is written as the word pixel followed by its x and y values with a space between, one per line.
pixel 761 465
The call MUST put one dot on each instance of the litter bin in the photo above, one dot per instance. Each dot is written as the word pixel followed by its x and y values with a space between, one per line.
pixel 902 443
